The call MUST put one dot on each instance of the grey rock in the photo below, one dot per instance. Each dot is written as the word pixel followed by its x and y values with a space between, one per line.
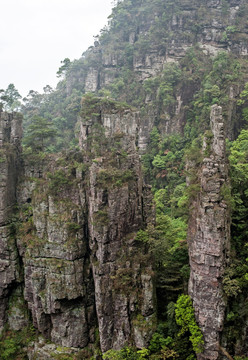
pixel 209 241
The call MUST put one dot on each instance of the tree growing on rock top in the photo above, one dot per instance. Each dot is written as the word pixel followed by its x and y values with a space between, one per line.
pixel 38 134
pixel 10 98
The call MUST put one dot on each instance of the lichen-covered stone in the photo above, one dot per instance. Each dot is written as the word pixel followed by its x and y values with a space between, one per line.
pixel 75 240
pixel 209 239
pixel 57 275
pixel 122 276
pixel 10 136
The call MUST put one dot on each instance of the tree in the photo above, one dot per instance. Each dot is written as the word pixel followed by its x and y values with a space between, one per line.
pixel 32 102
pixel 185 318
pixel 63 69
pixel 11 98
pixel 37 134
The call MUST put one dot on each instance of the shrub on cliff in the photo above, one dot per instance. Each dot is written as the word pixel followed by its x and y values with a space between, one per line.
pixel 185 318
pixel 38 133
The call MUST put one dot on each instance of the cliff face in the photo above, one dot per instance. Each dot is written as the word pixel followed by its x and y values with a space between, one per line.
pixel 52 243
pixel 68 223
pixel 209 238
pixel 211 32
pixel 157 37
pixel 117 208
pixel 10 137
pixel 75 240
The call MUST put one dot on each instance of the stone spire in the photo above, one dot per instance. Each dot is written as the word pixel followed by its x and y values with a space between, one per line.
pixel 209 238
pixel 10 137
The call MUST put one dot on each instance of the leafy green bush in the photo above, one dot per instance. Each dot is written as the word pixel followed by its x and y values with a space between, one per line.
pixel 185 318
pixel 126 353
pixel 13 343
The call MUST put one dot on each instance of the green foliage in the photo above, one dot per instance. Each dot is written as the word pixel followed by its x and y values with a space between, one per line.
pixel 158 342
pixel 163 165
pixel 10 99
pixel 112 177
pixel 166 89
pixel 185 318
pixel 142 236
pixel 239 180
pixel 13 343
pixel 231 284
pixel 243 101
pixel 92 105
pixel 2 156
pixel 64 68
pixel 101 217
pixel 167 243
pixel 10 349
pixel 126 353
pixel 168 236
pixel 164 161
pixel 164 86
pixel 143 354
pixel 223 72
pixel 60 109
pixel 243 95
pixel 226 194
pixel 73 227
pixel 37 134
pixel 59 181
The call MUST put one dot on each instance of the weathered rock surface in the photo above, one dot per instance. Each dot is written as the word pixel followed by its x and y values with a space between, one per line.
pixel 209 238
pixel 75 240
pixel 52 241
pixel 10 136
pixel 41 350
pixel 82 267
pixel 215 26
pixel 116 210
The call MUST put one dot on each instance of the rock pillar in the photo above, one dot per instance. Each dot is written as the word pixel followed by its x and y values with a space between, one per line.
pixel 10 135
pixel 209 237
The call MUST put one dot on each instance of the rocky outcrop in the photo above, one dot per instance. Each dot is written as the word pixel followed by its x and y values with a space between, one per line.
pixel 72 258
pixel 209 238
pixel 117 209
pixel 220 27
pixel 10 136
pixel 213 26
pixel 52 242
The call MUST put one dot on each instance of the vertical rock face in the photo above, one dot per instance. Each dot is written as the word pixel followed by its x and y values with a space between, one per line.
pixel 58 285
pixel 75 241
pixel 10 135
pixel 209 236
pixel 52 242
pixel 116 211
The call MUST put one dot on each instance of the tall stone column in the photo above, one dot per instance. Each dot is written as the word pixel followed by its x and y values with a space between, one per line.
pixel 209 238
pixel 10 135
pixel 118 206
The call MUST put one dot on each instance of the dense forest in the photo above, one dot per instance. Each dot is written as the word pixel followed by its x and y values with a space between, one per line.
pixel 167 64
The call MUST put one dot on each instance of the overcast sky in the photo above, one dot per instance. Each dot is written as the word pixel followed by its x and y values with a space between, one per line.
pixel 35 35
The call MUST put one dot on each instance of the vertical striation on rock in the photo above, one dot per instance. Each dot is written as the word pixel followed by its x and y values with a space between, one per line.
pixel 52 242
pixel 10 136
pixel 117 209
pixel 74 243
pixel 209 237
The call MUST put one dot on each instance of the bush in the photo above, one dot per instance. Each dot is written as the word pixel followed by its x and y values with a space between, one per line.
pixel 185 318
